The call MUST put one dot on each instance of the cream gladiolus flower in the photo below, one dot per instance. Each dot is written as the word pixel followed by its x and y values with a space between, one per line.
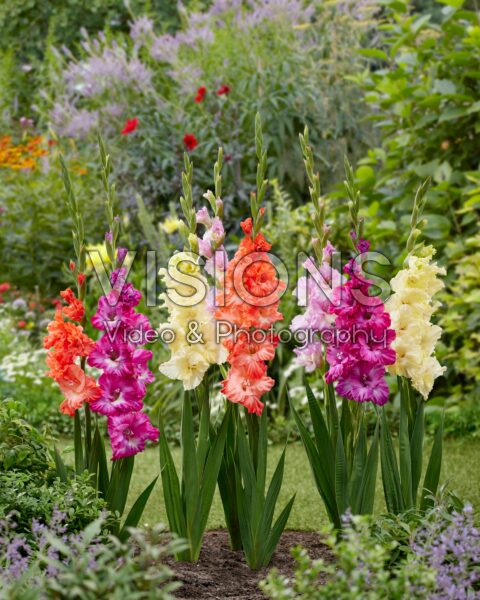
pixel 411 307
pixel 194 346
pixel 188 366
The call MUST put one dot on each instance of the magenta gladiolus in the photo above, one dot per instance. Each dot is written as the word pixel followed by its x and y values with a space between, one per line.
pixel 362 347
pixel 128 433
pixel 125 367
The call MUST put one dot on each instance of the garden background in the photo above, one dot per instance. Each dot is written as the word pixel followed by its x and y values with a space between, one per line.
pixel 392 85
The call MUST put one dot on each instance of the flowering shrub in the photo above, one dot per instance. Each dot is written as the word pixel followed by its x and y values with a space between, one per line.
pixel 427 555
pixel 34 225
pixel 22 156
pixel 186 89
pixel 52 562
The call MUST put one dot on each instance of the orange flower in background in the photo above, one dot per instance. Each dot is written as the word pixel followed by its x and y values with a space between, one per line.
pixel 251 296
pixel 21 156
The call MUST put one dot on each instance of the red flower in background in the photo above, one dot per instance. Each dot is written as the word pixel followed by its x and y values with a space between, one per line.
pixel 130 126
pixel 22 324
pixel 4 287
pixel 200 94
pixel 223 90
pixel 190 141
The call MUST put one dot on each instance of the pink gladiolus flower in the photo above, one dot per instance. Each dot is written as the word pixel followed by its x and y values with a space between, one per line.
pixel 128 434
pixel 119 395
pixel 125 367
pixel 364 383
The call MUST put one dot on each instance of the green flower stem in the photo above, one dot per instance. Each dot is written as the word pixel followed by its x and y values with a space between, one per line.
pixel 353 194
pixel 416 217
pixel 319 206
pixel 256 199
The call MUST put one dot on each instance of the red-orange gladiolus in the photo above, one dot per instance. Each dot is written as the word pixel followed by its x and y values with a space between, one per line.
pixel 251 298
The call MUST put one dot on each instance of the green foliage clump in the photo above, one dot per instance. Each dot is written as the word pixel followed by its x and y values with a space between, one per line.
pixel 292 72
pixel 358 568
pixel 461 319
pixel 424 92
pixel 424 87
pixel 415 554
pixel 35 236
pixel 32 498
pixel 87 565
pixel 22 447
pixel 27 478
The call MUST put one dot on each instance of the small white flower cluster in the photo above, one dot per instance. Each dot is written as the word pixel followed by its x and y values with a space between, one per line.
pixel 26 365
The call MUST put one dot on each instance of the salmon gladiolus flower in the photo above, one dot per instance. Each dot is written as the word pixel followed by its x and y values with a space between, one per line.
pixel 67 343
pixel 252 294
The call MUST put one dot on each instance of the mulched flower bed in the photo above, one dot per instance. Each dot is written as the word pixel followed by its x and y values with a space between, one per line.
pixel 222 573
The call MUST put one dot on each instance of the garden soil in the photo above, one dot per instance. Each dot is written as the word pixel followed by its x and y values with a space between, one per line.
pixel 222 573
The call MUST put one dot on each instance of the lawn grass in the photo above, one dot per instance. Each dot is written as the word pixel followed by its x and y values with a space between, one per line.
pixel 461 469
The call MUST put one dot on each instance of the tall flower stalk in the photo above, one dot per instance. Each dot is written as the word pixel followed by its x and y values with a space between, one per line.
pixel 118 393
pixel 248 303
pixel 194 353
pixel 411 307
pixel 343 467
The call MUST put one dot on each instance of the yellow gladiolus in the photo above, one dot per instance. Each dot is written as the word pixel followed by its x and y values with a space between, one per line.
pixel 411 307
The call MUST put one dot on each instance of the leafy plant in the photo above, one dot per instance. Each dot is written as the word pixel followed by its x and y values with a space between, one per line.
pixel 358 568
pixel 255 504
pixel 35 236
pixel 188 497
pixel 401 479
pixel 22 447
pixel 30 498
pixel 423 85
pixel 50 563
pixel 343 468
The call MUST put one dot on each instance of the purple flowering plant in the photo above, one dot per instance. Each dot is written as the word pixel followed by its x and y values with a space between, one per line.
pixel 50 562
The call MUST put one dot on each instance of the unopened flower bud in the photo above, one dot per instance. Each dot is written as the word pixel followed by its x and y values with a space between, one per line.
pixel 193 242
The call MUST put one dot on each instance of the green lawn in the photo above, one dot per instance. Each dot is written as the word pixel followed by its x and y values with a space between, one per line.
pixel 461 470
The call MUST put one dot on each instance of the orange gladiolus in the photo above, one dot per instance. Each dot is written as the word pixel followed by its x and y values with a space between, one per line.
pixel 74 310
pixel 77 389
pixel 251 298
pixel 67 343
